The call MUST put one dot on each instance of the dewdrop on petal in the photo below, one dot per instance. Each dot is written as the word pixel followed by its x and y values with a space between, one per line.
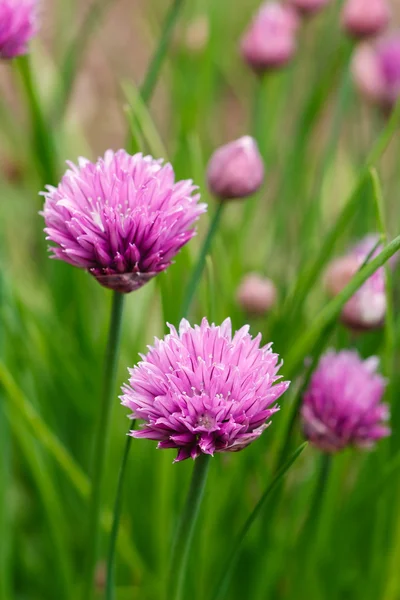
pixel 376 70
pixel 342 406
pixel 202 390
pixel 18 24
pixel 308 7
pixel 256 295
pixel 235 170
pixel 123 218
pixel 270 40
pixel 364 19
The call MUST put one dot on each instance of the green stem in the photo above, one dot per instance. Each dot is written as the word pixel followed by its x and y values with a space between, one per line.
pixel 309 536
pixel 333 308
pixel 148 86
pixel 184 534
pixel 101 442
pixel 198 270
pixel 230 563
pixel 116 517
pixel 44 150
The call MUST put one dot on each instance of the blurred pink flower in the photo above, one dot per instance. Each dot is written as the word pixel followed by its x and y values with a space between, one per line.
pixel 376 70
pixel 18 24
pixel 256 295
pixel 361 19
pixel 200 390
pixel 343 406
pixel 270 40
pixel 123 218
pixel 366 309
pixel 235 170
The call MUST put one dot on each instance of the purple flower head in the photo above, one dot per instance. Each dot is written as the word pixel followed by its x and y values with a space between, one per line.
pixel 122 218
pixel 270 41
pixel 17 26
pixel 343 406
pixel 236 170
pixel 376 70
pixel 361 19
pixel 200 390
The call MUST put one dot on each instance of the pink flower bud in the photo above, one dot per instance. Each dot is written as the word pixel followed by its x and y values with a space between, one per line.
pixel 363 19
pixel 235 170
pixel 256 295
pixel 308 7
pixel 376 70
pixel 270 41
pixel 366 309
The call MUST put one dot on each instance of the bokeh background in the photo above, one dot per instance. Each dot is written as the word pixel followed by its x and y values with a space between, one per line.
pixel 315 131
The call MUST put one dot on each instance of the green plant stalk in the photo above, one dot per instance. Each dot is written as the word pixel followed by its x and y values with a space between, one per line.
pixel 184 534
pixel 309 275
pixel 52 502
pixel 148 86
pixel 332 309
pixel 101 443
pixel 223 583
pixel 44 149
pixel 199 267
pixel 40 431
pixel 117 517
pixel 308 539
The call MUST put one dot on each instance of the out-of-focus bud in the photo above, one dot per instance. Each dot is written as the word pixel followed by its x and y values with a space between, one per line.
pixel 270 40
pixel 235 170
pixel 364 19
pixel 376 70
pixel 197 34
pixel 339 273
pixel 256 295
pixel 308 7
pixel 366 309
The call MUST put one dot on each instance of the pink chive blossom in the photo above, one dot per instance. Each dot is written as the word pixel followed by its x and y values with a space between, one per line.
pixel 270 40
pixel 202 390
pixel 308 7
pixel 343 406
pixel 256 295
pixel 366 309
pixel 235 170
pixel 18 24
pixel 123 218
pixel 376 70
pixel 361 19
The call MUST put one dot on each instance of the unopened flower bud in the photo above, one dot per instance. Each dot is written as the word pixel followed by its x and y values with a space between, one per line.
pixel 235 170
pixel 256 295
pixel 270 40
pixel 308 7
pixel 376 71
pixel 197 34
pixel 364 19
pixel 366 309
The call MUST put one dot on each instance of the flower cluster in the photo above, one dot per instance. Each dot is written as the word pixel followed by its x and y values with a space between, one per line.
pixel 202 390
pixel 17 26
pixel 343 404
pixel 122 218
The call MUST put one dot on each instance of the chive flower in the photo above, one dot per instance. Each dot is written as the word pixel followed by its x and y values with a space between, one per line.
pixel 202 390
pixel 343 406
pixel 123 218
pixel 18 24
